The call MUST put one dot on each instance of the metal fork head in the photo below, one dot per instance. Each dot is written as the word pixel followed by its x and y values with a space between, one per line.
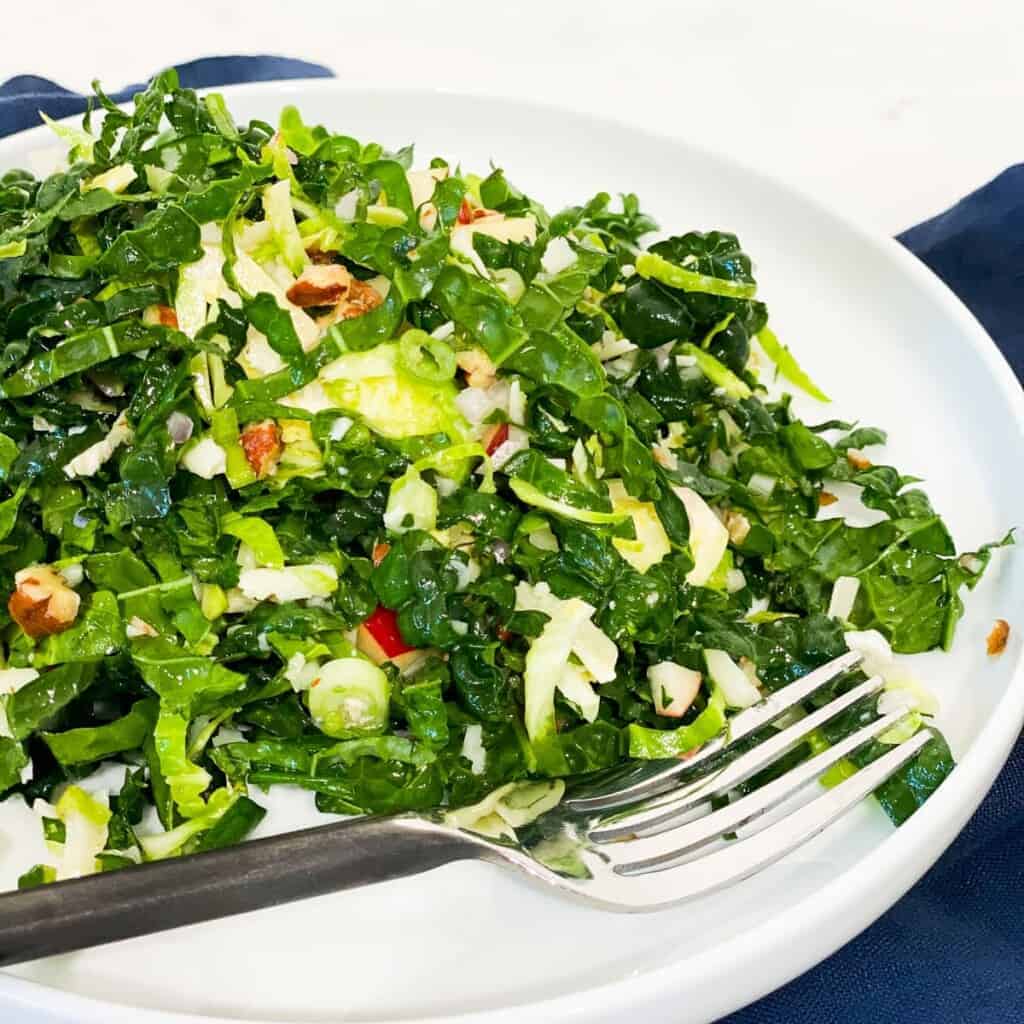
pixel 629 842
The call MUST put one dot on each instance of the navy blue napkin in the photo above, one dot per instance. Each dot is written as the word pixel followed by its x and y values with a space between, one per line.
pixel 977 248
pixel 952 950
pixel 22 97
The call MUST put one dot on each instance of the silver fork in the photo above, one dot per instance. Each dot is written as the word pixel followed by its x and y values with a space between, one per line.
pixel 640 839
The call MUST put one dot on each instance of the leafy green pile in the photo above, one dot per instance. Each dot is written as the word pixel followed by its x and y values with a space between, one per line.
pixel 512 463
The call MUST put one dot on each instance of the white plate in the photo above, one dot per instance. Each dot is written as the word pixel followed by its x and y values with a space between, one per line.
pixel 471 943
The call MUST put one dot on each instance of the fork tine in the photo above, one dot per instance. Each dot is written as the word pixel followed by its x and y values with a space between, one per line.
pixel 619 790
pixel 656 817
pixel 744 858
pixel 777 703
pixel 659 851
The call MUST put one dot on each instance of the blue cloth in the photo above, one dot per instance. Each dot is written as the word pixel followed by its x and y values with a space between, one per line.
pixel 22 97
pixel 977 248
pixel 952 950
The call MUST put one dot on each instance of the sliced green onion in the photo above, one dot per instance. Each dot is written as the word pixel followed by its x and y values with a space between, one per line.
pixel 425 357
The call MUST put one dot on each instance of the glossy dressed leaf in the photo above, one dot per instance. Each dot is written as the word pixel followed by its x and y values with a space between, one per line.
pixel 94 743
pixel 182 680
pixel 581 417
pixel 481 310
pixel 165 239
pixel 38 703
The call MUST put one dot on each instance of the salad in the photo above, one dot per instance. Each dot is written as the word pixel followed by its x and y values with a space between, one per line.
pixel 324 467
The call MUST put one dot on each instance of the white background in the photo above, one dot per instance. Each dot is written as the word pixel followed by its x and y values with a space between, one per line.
pixel 891 109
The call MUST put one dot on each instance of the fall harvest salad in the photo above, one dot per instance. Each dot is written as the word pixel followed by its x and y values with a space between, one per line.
pixel 325 467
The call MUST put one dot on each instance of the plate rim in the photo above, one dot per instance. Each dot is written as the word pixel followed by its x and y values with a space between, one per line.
pixel 816 924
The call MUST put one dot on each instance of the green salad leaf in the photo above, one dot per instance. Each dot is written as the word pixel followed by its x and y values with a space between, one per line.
pixel 324 467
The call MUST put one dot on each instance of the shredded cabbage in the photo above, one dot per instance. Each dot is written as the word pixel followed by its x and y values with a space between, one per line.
pixel 277 204
pixel 85 826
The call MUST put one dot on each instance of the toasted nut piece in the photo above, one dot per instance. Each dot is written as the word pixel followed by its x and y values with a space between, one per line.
pixel 738 526
pixel 262 445
pixel 139 627
pixel 162 316
pixel 826 498
pixel 476 364
pixel 857 459
pixel 324 284
pixel 361 298
pixel 319 257
pixel 665 456
pixel 42 602
pixel 380 552
pixel 998 637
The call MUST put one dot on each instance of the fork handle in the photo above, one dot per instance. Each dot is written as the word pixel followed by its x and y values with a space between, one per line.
pixel 65 916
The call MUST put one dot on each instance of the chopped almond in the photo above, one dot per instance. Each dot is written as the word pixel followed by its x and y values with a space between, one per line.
pixel 826 498
pixel 42 602
pixel 324 284
pixel 262 445
pixel 476 364
pixel 998 637
pixel 361 298
pixel 139 627
pixel 163 316
pixel 857 459
pixel 379 553
pixel 665 456
pixel 738 526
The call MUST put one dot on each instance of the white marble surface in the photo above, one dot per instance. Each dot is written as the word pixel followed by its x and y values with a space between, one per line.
pixel 890 108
